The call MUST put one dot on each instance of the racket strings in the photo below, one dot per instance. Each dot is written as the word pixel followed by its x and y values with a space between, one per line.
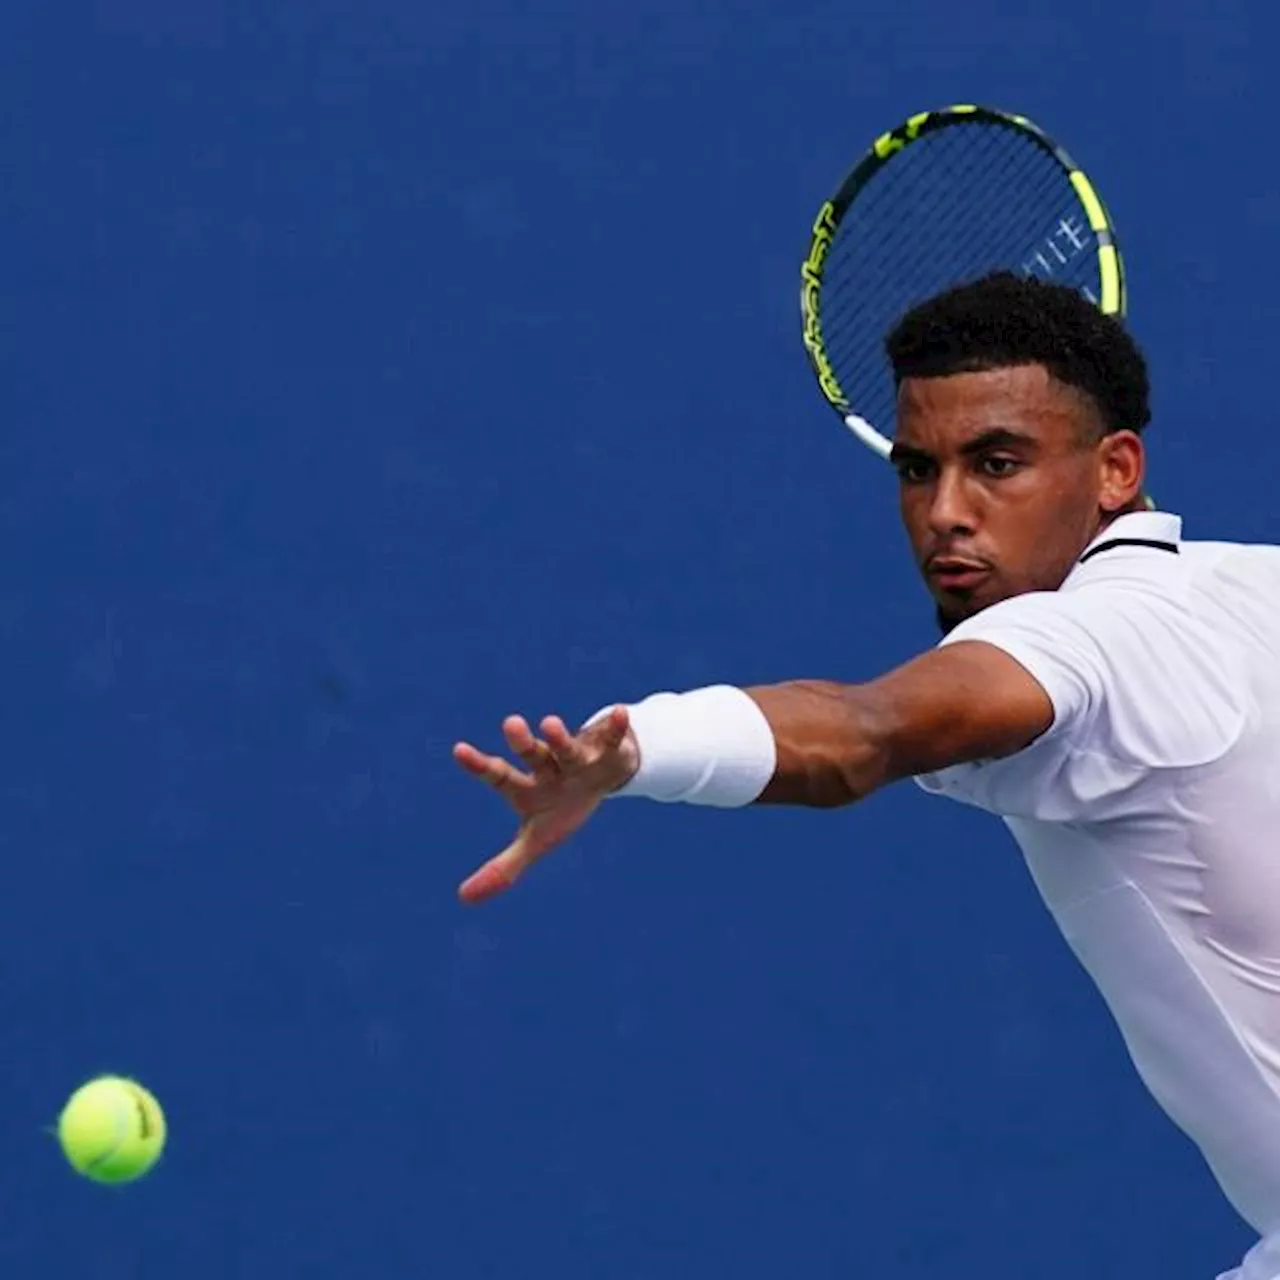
pixel 856 233
pixel 978 243
pixel 886 288
pixel 949 208
pixel 848 314
pixel 947 162
pixel 893 189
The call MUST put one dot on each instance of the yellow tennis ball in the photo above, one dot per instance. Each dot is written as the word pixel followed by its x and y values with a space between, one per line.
pixel 112 1130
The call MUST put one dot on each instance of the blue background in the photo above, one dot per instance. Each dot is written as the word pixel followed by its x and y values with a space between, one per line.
pixel 372 370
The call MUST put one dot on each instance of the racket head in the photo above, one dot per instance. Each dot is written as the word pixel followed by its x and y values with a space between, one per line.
pixel 948 196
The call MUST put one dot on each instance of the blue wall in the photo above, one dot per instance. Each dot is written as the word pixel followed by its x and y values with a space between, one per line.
pixel 374 369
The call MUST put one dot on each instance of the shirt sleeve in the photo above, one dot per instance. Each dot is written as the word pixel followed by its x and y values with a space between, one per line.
pixel 1138 684
pixel 1045 636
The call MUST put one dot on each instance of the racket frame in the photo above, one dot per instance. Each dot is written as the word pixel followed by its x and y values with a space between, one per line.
pixel 1113 293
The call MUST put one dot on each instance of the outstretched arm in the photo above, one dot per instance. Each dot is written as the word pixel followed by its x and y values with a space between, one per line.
pixel 804 742
pixel 837 743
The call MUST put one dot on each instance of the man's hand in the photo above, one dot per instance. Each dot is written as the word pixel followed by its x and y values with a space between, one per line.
pixel 568 776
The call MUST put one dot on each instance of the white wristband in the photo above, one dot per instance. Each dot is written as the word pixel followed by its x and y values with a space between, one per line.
pixel 710 746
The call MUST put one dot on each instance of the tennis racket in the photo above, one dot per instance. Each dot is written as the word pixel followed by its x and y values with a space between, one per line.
pixel 944 198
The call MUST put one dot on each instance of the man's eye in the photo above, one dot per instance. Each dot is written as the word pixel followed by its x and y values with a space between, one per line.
pixel 998 466
pixel 913 471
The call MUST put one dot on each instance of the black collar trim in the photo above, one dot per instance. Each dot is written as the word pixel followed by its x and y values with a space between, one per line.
pixel 1154 544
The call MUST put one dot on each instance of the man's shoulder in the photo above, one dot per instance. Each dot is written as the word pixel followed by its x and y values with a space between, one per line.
pixel 1092 605
pixel 1209 555
pixel 1195 594
pixel 1138 582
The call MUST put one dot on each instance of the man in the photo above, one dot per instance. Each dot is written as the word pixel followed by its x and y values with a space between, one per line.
pixel 1110 690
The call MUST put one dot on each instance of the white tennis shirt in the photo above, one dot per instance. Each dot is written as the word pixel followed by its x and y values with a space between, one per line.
pixel 1149 816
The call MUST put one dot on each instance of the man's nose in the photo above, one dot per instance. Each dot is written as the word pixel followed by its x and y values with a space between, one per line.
pixel 951 510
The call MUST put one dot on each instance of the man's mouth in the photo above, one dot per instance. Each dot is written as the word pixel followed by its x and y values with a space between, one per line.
pixel 954 573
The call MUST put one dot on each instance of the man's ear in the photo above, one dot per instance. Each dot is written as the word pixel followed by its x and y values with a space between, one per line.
pixel 1122 465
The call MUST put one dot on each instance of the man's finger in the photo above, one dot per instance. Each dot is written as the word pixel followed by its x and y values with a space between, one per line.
pixel 484 884
pixel 517 733
pixel 566 749
pixel 535 753
pixel 494 770
pixel 610 729
pixel 498 874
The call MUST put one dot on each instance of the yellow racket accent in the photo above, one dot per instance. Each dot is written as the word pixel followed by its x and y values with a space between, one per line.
pixel 1112 299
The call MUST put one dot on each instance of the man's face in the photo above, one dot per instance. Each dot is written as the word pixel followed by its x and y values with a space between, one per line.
pixel 1005 476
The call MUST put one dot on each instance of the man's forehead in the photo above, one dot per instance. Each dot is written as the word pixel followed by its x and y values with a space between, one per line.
pixel 955 408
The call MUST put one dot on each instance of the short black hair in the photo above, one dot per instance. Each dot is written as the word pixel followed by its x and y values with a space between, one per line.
pixel 1004 319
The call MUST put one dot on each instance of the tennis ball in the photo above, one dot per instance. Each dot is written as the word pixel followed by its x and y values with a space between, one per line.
pixel 112 1130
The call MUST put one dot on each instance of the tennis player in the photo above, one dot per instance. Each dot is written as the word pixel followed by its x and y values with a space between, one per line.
pixel 1108 689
